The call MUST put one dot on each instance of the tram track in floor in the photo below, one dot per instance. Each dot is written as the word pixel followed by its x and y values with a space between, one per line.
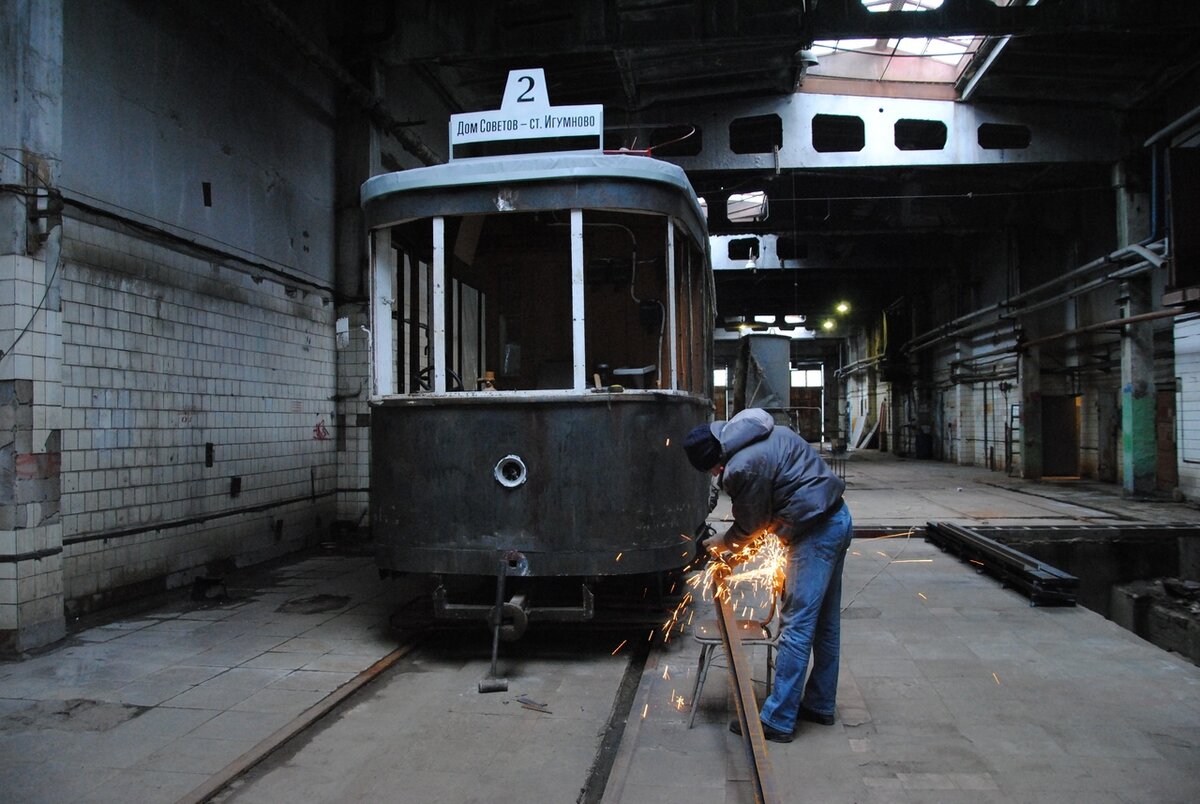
pixel 590 741
pixel 306 719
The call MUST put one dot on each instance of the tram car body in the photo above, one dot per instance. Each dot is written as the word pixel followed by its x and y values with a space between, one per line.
pixel 541 330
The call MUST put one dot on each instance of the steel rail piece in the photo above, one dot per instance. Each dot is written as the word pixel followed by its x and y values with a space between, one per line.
pixel 740 680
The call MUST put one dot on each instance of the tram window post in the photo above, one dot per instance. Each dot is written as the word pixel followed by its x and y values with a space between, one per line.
pixel 383 295
pixel 439 305
pixel 672 329
pixel 578 350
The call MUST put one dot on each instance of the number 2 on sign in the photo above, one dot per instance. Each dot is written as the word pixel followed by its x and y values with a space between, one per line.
pixel 527 95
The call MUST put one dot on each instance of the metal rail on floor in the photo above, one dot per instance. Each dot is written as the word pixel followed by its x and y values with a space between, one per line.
pixel 743 696
pixel 1040 582
pixel 263 748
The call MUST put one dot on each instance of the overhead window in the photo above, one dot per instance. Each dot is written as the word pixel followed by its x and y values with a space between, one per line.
pixel 743 248
pixel 920 135
pixel 938 60
pixel 756 135
pixel 834 133
pixel 1000 135
pixel 747 207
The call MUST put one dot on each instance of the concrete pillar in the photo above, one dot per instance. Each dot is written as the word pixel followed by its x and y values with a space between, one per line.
pixel 964 416
pixel 1133 204
pixel 31 548
pixel 1030 372
pixel 1138 459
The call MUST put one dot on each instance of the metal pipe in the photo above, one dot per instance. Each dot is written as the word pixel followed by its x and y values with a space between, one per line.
pixel 930 337
pixel 854 367
pixel 1169 312
pixel 1173 128
pixel 1088 287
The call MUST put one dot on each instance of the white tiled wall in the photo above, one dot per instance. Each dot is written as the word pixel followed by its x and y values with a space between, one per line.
pixel 30 529
pixel 163 353
pixel 354 458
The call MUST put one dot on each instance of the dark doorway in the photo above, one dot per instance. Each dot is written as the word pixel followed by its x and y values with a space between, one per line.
pixel 1108 428
pixel 1167 469
pixel 1060 436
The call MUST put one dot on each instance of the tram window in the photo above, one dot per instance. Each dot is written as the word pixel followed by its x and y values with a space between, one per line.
pixel 508 303
pixel 625 299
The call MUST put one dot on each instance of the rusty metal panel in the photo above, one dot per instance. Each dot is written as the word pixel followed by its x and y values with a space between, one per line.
pixel 571 482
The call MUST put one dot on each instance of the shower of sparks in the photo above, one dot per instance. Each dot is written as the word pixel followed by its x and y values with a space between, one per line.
pixel 668 442
pixel 922 595
pixel 645 710
pixel 905 533
pixel 996 677
pixel 685 537
pixel 973 561
pixel 881 553
pixel 667 672
pixel 679 702
pixel 913 561
pixel 616 649
pixel 765 559
pixel 619 556
pixel 855 553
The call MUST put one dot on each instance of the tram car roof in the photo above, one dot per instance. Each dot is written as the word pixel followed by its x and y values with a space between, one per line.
pixel 528 183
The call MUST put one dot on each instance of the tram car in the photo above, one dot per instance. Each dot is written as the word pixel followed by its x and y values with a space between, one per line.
pixel 541 330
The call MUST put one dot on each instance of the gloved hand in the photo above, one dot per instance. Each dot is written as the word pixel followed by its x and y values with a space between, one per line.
pixel 711 542
pixel 705 536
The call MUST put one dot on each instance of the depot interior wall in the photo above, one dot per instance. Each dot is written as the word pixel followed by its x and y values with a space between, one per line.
pixel 970 381
pixel 198 422
pixel 197 414
pixel 162 100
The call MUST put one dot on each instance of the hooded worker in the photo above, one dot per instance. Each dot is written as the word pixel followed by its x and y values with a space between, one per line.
pixel 779 484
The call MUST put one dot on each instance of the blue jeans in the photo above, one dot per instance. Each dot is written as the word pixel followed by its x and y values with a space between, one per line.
pixel 811 622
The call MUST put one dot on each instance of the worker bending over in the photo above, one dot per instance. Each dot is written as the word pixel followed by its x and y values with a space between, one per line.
pixel 779 484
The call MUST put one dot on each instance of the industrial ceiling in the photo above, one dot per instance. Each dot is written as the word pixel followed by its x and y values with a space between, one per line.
pixel 868 232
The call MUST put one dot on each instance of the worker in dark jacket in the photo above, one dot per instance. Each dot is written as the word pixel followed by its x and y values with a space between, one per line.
pixel 779 484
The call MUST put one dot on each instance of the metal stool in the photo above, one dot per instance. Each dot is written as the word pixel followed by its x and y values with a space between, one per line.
pixel 753 632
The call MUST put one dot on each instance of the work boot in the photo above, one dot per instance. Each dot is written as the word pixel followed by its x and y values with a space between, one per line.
pixel 815 717
pixel 771 734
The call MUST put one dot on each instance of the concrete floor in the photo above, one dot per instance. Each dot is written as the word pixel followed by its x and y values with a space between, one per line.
pixel 953 688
